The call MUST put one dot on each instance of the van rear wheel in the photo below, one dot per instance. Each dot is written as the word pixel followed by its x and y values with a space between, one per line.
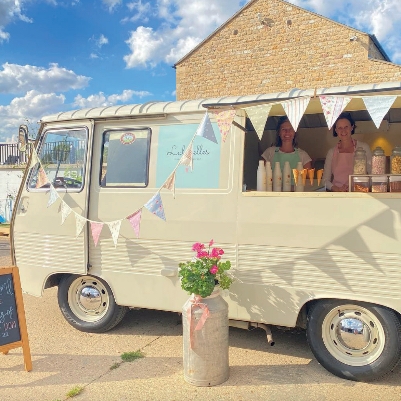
pixel 354 340
pixel 87 303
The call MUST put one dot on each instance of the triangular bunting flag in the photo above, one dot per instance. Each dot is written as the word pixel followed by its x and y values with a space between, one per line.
pixel 170 183
pixel 114 227
pixel 65 211
pixel 155 206
pixel 42 178
pixel 224 120
pixel 34 159
pixel 332 107
pixel 53 196
pixel 295 109
pixel 258 116
pixel 378 106
pixel 96 229
pixel 135 221
pixel 186 158
pixel 79 224
pixel 205 129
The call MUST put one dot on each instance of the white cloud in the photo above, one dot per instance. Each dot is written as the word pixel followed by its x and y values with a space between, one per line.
pixel 30 107
pixel 16 78
pixel 10 10
pixel 111 4
pixel 140 10
pixel 102 41
pixel 186 23
pixel 100 100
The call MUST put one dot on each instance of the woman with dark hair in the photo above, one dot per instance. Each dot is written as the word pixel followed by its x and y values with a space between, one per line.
pixel 339 164
pixel 286 147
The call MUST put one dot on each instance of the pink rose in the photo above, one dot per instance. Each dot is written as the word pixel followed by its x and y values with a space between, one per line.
pixel 197 247
pixel 211 243
pixel 215 253
pixel 214 269
pixel 202 254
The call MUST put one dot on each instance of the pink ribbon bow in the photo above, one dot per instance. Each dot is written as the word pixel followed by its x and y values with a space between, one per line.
pixel 196 301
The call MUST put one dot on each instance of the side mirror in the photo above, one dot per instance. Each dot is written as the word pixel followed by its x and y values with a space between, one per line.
pixel 22 138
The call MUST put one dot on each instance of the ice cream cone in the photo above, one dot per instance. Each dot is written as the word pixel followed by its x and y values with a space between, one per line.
pixel 319 175
pixel 304 175
pixel 311 174
pixel 295 172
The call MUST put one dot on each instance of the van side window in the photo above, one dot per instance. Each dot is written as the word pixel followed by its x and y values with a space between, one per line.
pixel 125 158
pixel 62 155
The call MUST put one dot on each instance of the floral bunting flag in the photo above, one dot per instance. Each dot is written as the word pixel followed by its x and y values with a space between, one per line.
pixel 53 196
pixel 114 227
pixel 378 106
pixel 205 129
pixel 295 109
pixel 186 158
pixel 65 211
pixel 79 224
pixel 34 158
pixel 42 178
pixel 96 229
pixel 135 221
pixel 332 107
pixel 258 116
pixel 155 206
pixel 224 120
pixel 170 183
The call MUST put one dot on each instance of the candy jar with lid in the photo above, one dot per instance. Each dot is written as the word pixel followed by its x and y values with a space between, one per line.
pixel 378 161
pixel 395 160
pixel 360 161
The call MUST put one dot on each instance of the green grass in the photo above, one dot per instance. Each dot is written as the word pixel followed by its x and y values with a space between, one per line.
pixel 74 391
pixel 132 356
pixel 115 365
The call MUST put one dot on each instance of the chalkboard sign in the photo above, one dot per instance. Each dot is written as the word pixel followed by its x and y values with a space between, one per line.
pixel 13 331
pixel 9 325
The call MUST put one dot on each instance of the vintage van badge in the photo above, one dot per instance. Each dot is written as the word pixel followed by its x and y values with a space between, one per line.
pixel 127 138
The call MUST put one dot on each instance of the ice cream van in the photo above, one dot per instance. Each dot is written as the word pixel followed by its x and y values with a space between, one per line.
pixel 114 197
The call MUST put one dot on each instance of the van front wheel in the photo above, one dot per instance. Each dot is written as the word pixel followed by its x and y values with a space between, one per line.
pixel 354 340
pixel 88 304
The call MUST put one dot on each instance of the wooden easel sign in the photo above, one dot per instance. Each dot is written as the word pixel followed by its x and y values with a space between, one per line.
pixel 13 330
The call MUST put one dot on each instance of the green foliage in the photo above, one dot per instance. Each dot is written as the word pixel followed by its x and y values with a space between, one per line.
pixel 200 275
pixel 132 356
pixel 115 365
pixel 74 391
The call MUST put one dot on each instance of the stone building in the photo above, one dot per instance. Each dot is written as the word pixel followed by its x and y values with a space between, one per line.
pixel 271 46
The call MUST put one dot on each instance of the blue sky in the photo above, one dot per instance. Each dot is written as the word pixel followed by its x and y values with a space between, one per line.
pixel 60 55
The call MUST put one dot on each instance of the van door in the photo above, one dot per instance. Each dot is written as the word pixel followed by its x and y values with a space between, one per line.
pixel 43 243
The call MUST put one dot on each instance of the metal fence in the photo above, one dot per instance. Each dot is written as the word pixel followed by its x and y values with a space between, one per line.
pixel 10 154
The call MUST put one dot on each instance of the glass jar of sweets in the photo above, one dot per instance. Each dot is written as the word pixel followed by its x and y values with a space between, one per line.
pixel 395 160
pixel 360 161
pixel 378 161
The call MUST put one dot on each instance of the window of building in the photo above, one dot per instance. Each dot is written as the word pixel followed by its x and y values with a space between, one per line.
pixel 125 158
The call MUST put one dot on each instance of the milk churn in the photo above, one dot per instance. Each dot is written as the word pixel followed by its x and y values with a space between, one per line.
pixel 205 340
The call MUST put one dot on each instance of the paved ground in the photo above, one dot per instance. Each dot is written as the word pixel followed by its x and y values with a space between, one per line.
pixel 64 357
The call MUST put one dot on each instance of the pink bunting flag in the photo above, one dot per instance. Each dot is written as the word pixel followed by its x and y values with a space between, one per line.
pixel 332 107
pixel 295 109
pixel 224 120
pixel 170 183
pixel 155 206
pixel 42 178
pixel 135 221
pixel 186 158
pixel 96 229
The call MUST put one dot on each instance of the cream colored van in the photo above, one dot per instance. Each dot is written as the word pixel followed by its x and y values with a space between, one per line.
pixel 327 262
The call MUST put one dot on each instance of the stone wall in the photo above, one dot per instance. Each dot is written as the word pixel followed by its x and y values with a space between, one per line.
pixel 272 46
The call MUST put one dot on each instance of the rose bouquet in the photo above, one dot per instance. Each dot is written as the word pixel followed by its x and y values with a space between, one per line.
pixel 200 275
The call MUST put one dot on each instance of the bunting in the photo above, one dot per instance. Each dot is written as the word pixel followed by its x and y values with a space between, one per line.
pixel 96 229
pixel 258 116
pixel 224 120
pixel 205 129
pixel 53 196
pixel 34 158
pixel 65 211
pixel 332 107
pixel 79 224
pixel 135 221
pixel 186 158
pixel 155 206
pixel 42 178
pixel 114 227
pixel 170 183
pixel 295 109
pixel 378 106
